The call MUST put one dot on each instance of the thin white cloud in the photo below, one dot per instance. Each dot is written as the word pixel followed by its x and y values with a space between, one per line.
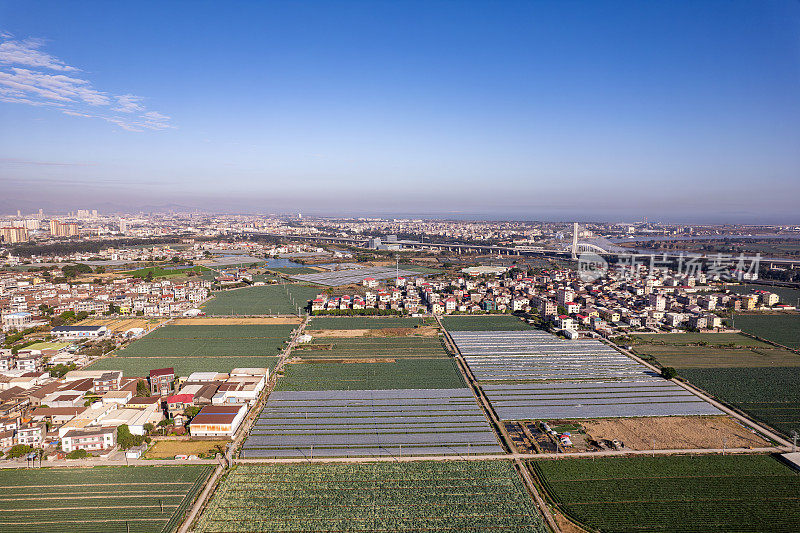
pixel 32 77
pixel 128 103
pixel 27 53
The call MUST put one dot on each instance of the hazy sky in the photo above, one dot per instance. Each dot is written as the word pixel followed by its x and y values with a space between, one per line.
pixel 682 111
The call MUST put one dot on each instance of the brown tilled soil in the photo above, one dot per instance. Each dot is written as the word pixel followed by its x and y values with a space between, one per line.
pixel 674 432
pixel 564 523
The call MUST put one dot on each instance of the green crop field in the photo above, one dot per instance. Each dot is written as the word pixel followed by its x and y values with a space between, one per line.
pixel 276 299
pixel 160 272
pixel 783 329
pixel 233 332
pixel 484 323
pixel 420 269
pixel 210 341
pixel 771 395
pixel 139 499
pixel 709 350
pixel 464 496
pixel 193 348
pixel 362 322
pixel 703 494
pixel 372 348
pixel 688 339
pixel 401 374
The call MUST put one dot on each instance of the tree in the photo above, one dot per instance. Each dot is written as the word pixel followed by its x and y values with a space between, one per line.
pixel 142 390
pixel 148 428
pixel 18 450
pixel 191 411
pixel 668 372
pixel 126 439
pixel 60 370
pixel 77 454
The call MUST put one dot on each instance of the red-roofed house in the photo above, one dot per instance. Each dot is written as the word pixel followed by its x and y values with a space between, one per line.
pixel 161 381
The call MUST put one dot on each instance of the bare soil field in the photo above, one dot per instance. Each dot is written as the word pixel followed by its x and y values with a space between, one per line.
pixel 167 449
pixel 117 325
pixel 234 321
pixel 674 432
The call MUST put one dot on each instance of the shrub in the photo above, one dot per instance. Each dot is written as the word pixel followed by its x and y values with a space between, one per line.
pixel 668 372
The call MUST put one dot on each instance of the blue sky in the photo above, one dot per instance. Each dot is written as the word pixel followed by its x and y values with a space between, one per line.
pixel 680 111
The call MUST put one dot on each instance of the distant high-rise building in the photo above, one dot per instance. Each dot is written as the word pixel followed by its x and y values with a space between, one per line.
pixel 123 225
pixel 94 213
pixel 14 234
pixel 41 213
pixel 63 229
pixel 19 213
pixel 30 224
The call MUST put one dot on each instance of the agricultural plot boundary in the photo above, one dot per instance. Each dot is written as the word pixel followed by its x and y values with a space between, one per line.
pixel 404 373
pixel 674 493
pixel 261 300
pixel 190 348
pixel 533 375
pixel 371 423
pixel 139 499
pixel 465 496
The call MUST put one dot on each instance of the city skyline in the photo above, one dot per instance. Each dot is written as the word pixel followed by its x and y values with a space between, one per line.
pixel 532 111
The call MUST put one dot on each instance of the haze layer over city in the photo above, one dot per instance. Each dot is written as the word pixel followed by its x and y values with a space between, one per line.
pixel 399 266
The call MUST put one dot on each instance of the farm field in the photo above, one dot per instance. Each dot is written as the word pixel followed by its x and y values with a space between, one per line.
pixel 689 339
pixel 391 374
pixel 362 322
pixel 756 377
pixel 368 423
pixel 675 493
pixel 674 432
pixel 379 497
pixel 261 300
pixel 56 345
pixel 419 269
pixel 139 499
pixel 485 323
pixel 372 348
pixel 123 324
pixel 236 321
pixel 200 348
pixel 167 449
pixel 533 375
pixel 783 329
pixel 771 395
pixel 161 272
pixel 708 350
